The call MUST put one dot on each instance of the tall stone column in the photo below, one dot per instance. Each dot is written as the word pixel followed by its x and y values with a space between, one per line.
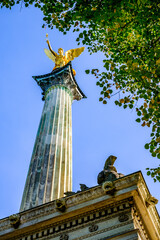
pixel 50 170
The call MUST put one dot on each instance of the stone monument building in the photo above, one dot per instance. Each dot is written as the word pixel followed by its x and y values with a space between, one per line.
pixel 118 208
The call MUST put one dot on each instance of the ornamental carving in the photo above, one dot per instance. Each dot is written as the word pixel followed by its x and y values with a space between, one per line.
pixel 60 77
pixel 61 205
pixel 14 220
pixel 108 187
pixel 151 201
pixel 64 237
pixel 93 228
pixel 123 217
pixel 109 172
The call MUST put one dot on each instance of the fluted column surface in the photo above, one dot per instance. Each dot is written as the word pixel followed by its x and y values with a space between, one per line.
pixel 50 171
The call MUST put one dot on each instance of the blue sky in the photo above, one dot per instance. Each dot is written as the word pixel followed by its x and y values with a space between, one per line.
pixel 98 130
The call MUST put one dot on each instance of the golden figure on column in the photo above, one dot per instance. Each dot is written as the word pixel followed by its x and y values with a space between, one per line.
pixel 59 59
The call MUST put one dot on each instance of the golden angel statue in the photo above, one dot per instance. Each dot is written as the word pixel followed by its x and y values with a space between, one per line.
pixel 61 60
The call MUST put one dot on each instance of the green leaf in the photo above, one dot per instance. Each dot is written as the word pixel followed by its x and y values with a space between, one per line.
pixel 138 120
pixel 146 146
pixel 87 71
pixel 130 106
pixel 148 173
pixel 81 35
pixel 153 154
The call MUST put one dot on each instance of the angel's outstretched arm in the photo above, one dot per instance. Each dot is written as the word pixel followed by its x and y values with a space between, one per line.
pixel 54 53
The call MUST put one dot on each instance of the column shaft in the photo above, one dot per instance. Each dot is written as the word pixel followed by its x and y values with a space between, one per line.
pixel 50 171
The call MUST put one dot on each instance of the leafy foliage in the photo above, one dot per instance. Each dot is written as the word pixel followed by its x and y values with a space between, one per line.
pixel 128 33
pixel 154 173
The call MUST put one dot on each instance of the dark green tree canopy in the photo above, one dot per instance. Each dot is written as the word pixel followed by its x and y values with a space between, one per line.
pixel 128 33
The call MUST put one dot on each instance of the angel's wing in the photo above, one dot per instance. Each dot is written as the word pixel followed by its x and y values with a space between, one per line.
pixel 72 53
pixel 49 54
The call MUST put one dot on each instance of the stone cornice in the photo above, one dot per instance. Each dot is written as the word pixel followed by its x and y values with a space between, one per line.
pixel 60 77
pixel 151 209
pixel 85 202
pixel 83 220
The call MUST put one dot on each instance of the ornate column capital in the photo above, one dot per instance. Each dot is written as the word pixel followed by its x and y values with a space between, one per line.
pixel 60 77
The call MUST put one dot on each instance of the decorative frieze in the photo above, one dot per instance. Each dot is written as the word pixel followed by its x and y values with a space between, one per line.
pixel 41 211
pixel 114 208
pixel 4 224
pixel 123 217
pixel 85 196
pixel 93 228
pixel 64 237
pixel 91 220
pixel 107 229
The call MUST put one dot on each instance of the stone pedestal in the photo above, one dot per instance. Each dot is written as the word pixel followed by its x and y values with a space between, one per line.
pixel 50 171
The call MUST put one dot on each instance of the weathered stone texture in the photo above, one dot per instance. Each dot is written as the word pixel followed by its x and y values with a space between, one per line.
pixel 50 171
pixel 93 215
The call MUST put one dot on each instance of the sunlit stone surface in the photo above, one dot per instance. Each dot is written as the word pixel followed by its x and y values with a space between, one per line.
pixel 50 171
pixel 91 214
pixel 119 208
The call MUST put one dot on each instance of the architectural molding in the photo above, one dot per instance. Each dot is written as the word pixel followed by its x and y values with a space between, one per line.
pixel 105 230
pixel 85 208
pixel 80 221
pixel 139 224
pixel 63 77
pixel 93 228
pixel 123 217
